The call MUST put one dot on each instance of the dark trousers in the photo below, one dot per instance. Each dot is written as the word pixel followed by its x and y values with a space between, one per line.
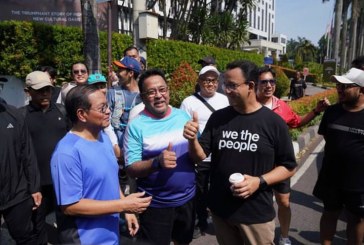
pixel 39 215
pixel 19 223
pixel 202 187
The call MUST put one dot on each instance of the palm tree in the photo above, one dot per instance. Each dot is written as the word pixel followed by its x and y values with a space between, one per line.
pixel 338 17
pixel 355 10
pixel 306 51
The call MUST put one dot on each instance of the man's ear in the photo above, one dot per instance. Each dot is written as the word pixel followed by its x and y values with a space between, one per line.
pixel 81 115
pixel 251 85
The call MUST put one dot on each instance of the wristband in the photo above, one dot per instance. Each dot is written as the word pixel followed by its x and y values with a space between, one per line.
pixel 262 183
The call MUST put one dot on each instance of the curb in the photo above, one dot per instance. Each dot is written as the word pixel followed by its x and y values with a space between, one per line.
pixel 305 138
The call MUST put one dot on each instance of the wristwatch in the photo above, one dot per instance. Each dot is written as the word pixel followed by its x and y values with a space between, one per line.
pixel 262 183
pixel 156 164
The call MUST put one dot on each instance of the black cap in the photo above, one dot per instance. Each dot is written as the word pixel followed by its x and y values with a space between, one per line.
pixel 208 60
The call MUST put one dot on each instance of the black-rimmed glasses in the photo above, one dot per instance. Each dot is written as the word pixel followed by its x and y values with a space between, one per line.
pixel 231 86
pixel 208 81
pixel 153 92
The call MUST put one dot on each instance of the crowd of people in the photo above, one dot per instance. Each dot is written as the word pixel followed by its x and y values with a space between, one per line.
pixel 107 158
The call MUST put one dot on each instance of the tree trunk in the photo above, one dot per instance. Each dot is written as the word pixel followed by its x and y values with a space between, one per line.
pixel 338 14
pixel 353 29
pixel 344 31
pixel 91 48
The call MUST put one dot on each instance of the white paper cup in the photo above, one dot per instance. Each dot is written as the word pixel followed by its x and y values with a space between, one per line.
pixel 236 178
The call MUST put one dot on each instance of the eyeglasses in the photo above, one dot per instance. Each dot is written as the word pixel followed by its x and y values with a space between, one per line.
pixel 265 82
pixel 153 92
pixel 102 110
pixel 231 86
pixel 208 81
pixel 343 86
pixel 82 71
pixel 100 85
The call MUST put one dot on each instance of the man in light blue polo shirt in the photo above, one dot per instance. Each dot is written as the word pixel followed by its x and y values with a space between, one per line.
pixel 157 154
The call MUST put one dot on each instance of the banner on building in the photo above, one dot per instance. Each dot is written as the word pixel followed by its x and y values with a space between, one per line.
pixel 62 12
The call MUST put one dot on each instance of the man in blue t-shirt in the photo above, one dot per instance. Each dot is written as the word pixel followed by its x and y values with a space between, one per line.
pixel 84 173
pixel 157 154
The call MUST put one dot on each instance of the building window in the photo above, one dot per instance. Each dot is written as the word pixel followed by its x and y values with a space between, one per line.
pixel 272 4
pixel 259 22
pixel 275 39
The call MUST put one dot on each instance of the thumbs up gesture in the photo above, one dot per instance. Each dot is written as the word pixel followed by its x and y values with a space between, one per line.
pixel 168 158
pixel 190 130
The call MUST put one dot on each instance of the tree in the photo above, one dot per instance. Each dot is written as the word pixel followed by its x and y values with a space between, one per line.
pixel 306 50
pixel 90 29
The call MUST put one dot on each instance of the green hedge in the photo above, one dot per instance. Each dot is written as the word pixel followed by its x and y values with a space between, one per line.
pixel 168 55
pixel 26 45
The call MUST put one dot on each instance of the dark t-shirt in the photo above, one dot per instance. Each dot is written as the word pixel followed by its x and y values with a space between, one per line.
pixel 297 88
pixel 46 129
pixel 343 162
pixel 250 144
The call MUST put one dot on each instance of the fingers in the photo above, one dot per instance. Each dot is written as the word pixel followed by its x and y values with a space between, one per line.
pixel 169 148
pixel 195 117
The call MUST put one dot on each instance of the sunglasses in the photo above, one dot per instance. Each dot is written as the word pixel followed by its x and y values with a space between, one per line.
pixel 343 86
pixel 82 71
pixel 265 82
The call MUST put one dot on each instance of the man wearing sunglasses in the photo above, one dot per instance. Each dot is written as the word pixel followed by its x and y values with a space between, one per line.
pixel 79 73
pixel 265 95
pixel 340 184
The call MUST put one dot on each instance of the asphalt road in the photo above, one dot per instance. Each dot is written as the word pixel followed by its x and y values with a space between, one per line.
pixel 306 209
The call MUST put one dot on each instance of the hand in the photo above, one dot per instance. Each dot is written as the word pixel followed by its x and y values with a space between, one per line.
pixel 132 223
pixel 168 158
pixel 322 105
pixel 37 198
pixel 246 188
pixel 112 75
pixel 136 203
pixel 190 130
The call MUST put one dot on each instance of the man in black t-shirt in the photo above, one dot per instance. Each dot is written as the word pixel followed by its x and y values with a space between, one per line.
pixel 340 183
pixel 297 87
pixel 47 124
pixel 250 139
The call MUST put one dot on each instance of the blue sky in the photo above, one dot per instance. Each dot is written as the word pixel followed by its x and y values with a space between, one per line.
pixel 303 18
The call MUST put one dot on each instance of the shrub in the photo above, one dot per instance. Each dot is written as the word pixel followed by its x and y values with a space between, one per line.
pixel 306 104
pixel 282 84
pixel 182 84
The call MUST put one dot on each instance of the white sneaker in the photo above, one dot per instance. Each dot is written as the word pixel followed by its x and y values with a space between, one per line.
pixel 284 241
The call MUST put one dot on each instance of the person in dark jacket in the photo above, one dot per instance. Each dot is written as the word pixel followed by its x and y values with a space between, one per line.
pixel 19 176
pixel 47 123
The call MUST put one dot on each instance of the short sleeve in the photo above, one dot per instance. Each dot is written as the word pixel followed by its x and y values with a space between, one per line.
pixel 67 178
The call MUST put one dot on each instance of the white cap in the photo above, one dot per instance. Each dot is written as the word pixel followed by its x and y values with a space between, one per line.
pixel 354 75
pixel 236 178
pixel 208 68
